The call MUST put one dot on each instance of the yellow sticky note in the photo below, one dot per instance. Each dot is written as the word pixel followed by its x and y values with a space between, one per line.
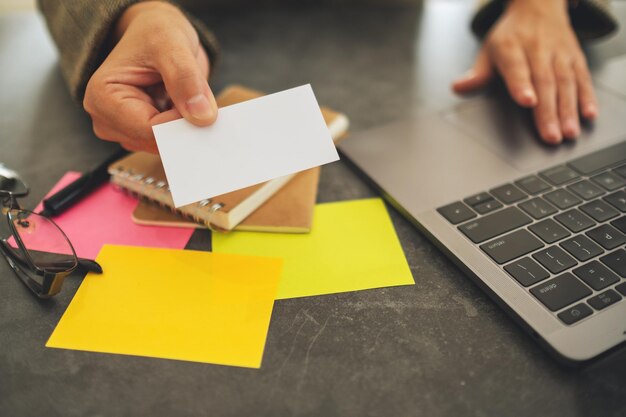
pixel 174 304
pixel 352 246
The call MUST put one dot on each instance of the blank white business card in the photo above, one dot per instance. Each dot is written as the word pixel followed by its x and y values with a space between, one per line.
pixel 250 143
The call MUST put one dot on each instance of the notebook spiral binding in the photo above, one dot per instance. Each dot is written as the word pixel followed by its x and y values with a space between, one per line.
pixel 150 189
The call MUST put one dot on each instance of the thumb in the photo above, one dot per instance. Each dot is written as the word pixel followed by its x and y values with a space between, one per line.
pixel 477 77
pixel 186 85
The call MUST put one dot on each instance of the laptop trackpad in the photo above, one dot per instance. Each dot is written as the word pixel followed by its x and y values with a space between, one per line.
pixel 498 124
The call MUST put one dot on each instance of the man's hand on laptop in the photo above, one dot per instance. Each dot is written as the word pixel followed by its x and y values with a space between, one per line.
pixel 534 48
pixel 156 72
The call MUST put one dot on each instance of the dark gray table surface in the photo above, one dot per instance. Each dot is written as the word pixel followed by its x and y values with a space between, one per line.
pixel 439 348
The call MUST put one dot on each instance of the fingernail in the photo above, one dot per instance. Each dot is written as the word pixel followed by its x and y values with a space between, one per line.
pixel 553 133
pixel 529 97
pixel 571 128
pixel 591 111
pixel 199 107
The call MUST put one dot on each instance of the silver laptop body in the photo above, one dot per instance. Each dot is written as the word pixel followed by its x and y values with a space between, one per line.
pixel 435 159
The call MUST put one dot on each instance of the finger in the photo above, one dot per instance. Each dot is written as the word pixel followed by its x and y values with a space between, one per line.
pixel 587 101
pixel 186 84
pixel 166 116
pixel 511 62
pixel 105 131
pixel 130 147
pixel 203 62
pixel 566 96
pixel 477 77
pixel 545 112
pixel 127 109
pixel 161 99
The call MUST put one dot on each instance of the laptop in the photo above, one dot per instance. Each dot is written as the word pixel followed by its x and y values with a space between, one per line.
pixel 541 229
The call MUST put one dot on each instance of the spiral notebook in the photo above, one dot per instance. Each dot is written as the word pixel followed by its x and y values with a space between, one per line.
pixel 290 210
pixel 284 204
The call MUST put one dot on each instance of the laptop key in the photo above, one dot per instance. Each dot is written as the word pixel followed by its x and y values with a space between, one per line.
pixel 605 299
pixel 563 199
pixel 585 190
pixel 549 230
pixel 621 288
pixel 617 200
pixel 609 181
pixel 559 175
pixel 601 159
pixel 488 206
pixel 599 210
pixel 494 224
pixel 508 193
pixel 620 224
pixel 532 184
pixel 526 271
pixel 561 291
pixel 607 236
pixel 581 247
pixel 621 171
pixel 537 207
pixel 477 199
pixel 574 220
pixel 616 261
pixel 596 275
pixel 456 212
pixel 511 246
pixel 555 259
pixel 573 314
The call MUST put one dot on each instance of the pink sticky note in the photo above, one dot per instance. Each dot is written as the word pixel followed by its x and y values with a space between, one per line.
pixel 104 216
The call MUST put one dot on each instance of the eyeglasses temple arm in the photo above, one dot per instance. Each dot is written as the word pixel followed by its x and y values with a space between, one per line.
pixel 89 265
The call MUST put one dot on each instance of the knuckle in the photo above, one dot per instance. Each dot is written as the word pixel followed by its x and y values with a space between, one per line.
pixel 567 109
pixel 156 42
pixel 179 64
pixel 98 130
pixel 535 44
pixel 546 115
pixel 141 133
pixel 505 43
pixel 547 105
pixel 516 75
pixel 87 103
pixel 91 91
pixel 567 103
pixel 183 72
pixel 128 146
pixel 564 77
pixel 543 79
pixel 95 91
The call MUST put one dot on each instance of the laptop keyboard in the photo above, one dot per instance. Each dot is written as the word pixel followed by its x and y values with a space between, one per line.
pixel 561 233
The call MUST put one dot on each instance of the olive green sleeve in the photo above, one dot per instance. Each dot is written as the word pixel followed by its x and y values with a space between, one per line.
pixel 81 28
pixel 590 18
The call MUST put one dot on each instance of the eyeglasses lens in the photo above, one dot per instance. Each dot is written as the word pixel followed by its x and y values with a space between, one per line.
pixel 46 244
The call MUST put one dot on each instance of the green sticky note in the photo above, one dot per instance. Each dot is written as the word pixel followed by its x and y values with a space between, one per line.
pixel 352 246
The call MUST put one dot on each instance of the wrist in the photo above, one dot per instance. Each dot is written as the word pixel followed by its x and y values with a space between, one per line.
pixel 548 6
pixel 141 9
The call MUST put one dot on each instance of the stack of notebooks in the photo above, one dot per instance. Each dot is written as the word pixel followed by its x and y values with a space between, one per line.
pixel 280 205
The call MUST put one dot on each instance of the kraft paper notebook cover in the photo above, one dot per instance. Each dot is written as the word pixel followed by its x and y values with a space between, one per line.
pixel 142 174
pixel 290 210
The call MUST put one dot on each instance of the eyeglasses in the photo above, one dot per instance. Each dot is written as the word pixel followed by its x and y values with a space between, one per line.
pixel 34 246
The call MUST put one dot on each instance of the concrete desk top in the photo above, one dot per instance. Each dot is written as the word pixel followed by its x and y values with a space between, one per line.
pixel 439 348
